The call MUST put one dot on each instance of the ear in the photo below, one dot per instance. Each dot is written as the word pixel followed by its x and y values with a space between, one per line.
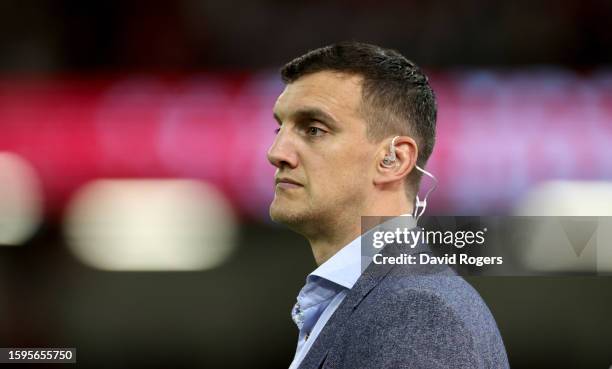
pixel 406 153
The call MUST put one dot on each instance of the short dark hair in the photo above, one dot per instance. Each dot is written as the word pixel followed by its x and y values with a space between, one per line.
pixel 396 96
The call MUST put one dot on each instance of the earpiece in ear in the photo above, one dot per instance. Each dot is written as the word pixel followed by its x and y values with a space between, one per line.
pixel 390 159
pixel 388 162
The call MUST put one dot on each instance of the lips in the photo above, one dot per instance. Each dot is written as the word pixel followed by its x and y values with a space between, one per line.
pixel 286 184
pixel 287 180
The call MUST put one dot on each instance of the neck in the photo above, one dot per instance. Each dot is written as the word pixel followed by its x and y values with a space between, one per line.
pixel 325 243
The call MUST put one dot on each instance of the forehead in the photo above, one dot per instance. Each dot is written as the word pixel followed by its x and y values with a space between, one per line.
pixel 338 94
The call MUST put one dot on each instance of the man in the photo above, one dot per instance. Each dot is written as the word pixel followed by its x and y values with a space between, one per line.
pixel 338 117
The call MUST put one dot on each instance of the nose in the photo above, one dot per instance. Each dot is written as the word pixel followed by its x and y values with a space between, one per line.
pixel 282 152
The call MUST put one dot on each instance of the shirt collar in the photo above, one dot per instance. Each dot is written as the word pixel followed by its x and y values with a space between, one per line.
pixel 345 266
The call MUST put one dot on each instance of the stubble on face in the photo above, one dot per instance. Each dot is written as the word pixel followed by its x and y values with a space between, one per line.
pixel 332 168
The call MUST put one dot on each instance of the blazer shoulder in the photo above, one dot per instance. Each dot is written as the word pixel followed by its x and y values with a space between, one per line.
pixel 437 321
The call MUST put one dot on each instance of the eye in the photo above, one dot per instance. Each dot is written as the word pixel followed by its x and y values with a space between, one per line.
pixel 276 130
pixel 315 131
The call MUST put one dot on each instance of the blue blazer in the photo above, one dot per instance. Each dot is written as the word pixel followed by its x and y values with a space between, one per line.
pixel 412 317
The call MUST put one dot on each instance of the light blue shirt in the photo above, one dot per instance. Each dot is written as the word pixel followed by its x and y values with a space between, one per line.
pixel 327 286
pixel 325 289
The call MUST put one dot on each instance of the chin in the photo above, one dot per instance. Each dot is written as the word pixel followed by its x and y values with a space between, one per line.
pixel 286 214
pixel 281 214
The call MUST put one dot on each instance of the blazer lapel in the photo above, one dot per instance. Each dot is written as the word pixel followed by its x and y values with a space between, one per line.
pixel 337 322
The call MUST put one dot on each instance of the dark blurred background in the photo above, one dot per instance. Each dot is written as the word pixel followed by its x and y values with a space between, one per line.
pixel 134 185
pixel 190 35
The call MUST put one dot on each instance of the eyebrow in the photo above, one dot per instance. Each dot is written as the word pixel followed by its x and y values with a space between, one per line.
pixel 311 113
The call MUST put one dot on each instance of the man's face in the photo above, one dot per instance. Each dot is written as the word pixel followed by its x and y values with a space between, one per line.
pixel 323 158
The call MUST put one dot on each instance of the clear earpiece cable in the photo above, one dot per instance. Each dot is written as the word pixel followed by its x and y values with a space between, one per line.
pixel 423 204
